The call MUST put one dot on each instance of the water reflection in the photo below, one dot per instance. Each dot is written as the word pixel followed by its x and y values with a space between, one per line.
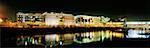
pixel 66 39
pixel 30 40
pixel 138 33
pixel 96 36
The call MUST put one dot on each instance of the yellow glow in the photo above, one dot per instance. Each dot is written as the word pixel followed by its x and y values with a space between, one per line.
pixel 117 22
pixel 1 20
pixel 118 35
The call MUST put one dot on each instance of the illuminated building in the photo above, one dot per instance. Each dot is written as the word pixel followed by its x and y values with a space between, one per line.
pixel 114 24
pixel 92 21
pixel 137 24
pixel 138 29
pixel 30 19
pixel 59 19
pixel 65 20
pixel 50 19
pixel 85 20
pixel 69 19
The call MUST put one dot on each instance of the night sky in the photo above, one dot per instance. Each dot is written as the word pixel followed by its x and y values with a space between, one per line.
pixel 134 10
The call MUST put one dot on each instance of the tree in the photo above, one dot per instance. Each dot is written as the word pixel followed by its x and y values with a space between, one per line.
pixel 104 19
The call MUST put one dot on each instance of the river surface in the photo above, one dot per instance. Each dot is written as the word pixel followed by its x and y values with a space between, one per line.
pixel 113 37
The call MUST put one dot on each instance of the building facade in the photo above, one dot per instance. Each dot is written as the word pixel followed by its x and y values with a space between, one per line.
pixel 58 19
pixel 67 20
pixel 30 17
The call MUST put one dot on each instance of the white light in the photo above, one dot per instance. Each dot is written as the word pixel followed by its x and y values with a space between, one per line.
pixel 135 34
pixel 60 43
pixel 51 20
pixel 148 22
pixel 135 22
pixel 25 43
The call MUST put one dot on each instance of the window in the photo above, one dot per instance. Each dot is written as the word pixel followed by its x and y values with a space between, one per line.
pixel 20 16
pixel 61 20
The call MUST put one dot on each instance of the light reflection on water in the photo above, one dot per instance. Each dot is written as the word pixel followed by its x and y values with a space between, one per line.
pixel 136 33
pixel 83 37
pixel 96 36
pixel 66 39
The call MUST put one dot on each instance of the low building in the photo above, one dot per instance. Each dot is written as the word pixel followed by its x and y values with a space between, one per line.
pixel 30 17
pixel 137 24
pixel 58 19
pixel 65 20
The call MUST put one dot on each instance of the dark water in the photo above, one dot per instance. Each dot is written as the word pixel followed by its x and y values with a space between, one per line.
pixel 91 37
